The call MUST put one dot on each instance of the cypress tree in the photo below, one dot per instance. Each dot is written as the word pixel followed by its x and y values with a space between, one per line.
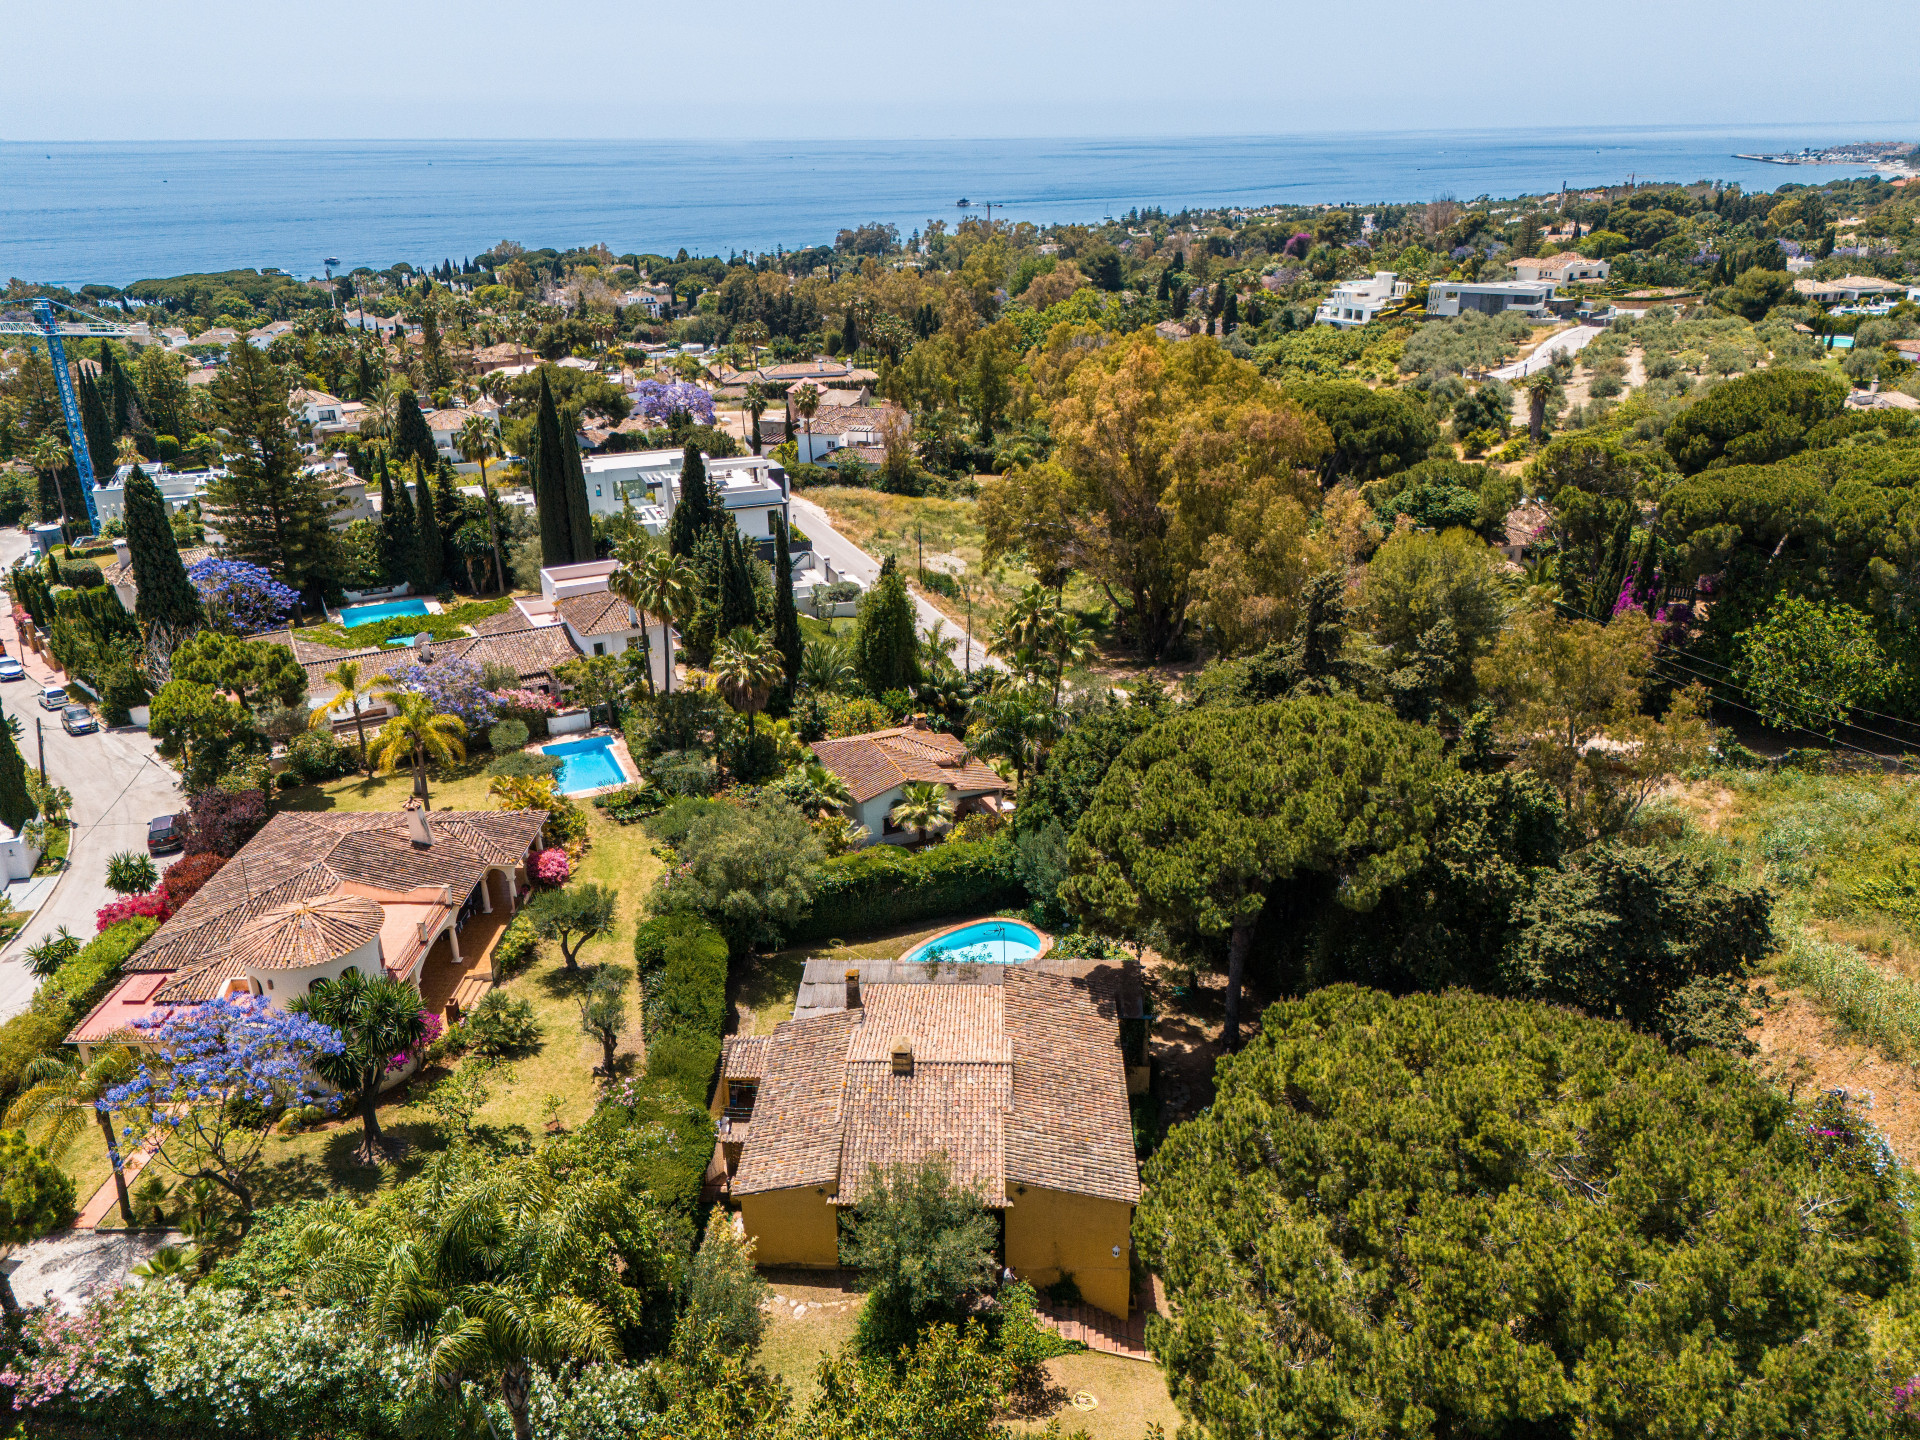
pixel 99 431
pixel 786 616
pixel 411 437
pixel 886 647
pixel 426 531
pixel 550 482
pixel 1179 298
pixel 166 601
pixel 363 375
pixel 16 807
pixel 849 332
pixel 1161 293
pixel 737 605
pixel 692 512
pixel 1231 321
pixel 579 513
pixel 401 539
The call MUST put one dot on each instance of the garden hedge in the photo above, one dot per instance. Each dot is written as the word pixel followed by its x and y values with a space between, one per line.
pixel 886 885
pixel 65 998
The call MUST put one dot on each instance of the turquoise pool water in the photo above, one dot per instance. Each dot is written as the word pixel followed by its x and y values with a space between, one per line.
pixel 366 614
pixel 586 764
pixel 985 942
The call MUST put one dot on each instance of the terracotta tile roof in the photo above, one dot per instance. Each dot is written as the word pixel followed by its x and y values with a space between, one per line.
pixel 874 763
pixel 302 857
pixel 598 613
pixel 796 1116
pixel 744 1057
pixel 838 419
pixel 307 933
pixel 1017 1077
pixel 532 651
pixel 120 572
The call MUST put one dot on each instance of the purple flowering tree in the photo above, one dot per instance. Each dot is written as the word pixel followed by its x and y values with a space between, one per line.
pixel 452 686
pixel 242 599
pixel 661 400
pixel 219 1072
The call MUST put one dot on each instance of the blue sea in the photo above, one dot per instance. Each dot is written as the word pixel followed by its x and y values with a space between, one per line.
pixel 113 213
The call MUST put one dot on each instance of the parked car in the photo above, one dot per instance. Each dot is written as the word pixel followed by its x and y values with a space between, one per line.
pixel 53 697
pixel 164 835
pixel 78 720
pixel 11 669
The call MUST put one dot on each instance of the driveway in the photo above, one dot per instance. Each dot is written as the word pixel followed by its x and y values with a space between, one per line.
pixel 1571 341
pixel 850 559
pixel 118 785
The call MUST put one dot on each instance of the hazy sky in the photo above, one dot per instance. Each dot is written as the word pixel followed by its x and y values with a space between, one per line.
pixel 233 69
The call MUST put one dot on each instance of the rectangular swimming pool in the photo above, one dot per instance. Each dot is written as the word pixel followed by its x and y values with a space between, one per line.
pixel 366 614
pixel 586 764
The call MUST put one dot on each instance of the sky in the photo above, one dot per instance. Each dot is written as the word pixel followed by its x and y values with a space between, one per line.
pixel 428 69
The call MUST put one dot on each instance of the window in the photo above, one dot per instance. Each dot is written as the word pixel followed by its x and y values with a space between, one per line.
pixel 599 648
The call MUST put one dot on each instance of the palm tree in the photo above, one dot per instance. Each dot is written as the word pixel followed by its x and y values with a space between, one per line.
pixel 826 665
pixel 59 1094
pixel 50 457
pixel 922 805
pixel 817 792
pixel 756 407
pixel 1070 642
pixel 416 735
pixel 937 647
pixel 494 1270
pixel 806 404
pixel 345 677
pixel 666 587
pixel 1015 724
pixel 747 667
pixel 377 1019
pixel 479 442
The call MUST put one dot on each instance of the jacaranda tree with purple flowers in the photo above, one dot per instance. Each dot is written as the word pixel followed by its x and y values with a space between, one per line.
pixel 242 599
pixel 661 400
pixel 219 1073
pixel 452 686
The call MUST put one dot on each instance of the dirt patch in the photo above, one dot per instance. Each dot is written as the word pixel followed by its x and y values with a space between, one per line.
pixel 1804 1053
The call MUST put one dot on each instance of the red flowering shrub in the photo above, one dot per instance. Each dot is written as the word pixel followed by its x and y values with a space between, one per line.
pixel 551 867
pixel 152 905
pixel 435 1028
pixel 183 878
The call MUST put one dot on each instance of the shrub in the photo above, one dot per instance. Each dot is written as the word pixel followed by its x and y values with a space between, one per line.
pixel 671 825
pixel 151 905
pixel 219 822
pixel 517 946
pixel 502 1026
pixel 183 878
pixel 551 867
pixel 314 755
pixel 508 735
pixel 523 764
pixel 684 772
pixel 80 574
pixel 885 885
pixel 857 717
pixel 131 872
pixel 687 994
pixel 664 933
pixel 686 1062
pixel 287 780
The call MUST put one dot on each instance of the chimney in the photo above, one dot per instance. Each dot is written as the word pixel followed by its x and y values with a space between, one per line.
pixel 122 552
pixel 903 1057
pixel 853 989
pixel 418 830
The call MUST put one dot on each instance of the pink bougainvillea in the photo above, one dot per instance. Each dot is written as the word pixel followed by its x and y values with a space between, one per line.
pixel 551 867
pixel 152 905
pixel 435 1027
pixel 534 701
pixel 63 1351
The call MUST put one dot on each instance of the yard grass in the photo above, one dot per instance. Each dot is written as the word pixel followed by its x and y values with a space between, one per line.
pixel 320 1160
pixel 908 526
pixel 447 625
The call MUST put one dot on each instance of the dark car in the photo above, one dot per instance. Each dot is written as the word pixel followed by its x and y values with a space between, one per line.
pixel 163 834
pixel 78 720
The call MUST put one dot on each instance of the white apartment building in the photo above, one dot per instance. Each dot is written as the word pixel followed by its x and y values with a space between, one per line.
pixel 1448 298
pixel 1355 302
pixel 754 488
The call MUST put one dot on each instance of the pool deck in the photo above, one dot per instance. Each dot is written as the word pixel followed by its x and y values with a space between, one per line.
pixel 823 982
pixel 622 756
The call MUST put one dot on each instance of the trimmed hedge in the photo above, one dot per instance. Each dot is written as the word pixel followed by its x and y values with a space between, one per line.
pixel 65 998
pixel 80 574
pixel 887 885
pixel 683 972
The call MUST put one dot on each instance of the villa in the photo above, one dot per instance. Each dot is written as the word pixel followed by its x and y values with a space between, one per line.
pixel 879 765
pixel 419 896
pixel 1357 302
pixel 1014 1073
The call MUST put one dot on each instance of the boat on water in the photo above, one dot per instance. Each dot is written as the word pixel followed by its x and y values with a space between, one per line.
pixel 962 203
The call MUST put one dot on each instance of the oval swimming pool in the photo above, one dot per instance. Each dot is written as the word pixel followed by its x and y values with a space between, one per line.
pixel 984 942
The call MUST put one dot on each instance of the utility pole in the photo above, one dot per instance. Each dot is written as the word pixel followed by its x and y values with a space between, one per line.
pixel 40 734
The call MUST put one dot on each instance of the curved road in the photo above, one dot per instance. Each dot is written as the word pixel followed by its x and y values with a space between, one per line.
pixel 118 785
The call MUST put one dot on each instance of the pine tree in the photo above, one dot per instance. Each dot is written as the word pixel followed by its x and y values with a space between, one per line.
pixel 427 531
pixel 166 602
pixel 692 512
pixel 16 806
pixel 268 510
pixel 411 437
pixel 550 481
pixel 885 644
pixel 786 616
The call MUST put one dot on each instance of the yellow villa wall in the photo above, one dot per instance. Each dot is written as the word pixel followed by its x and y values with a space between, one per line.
pixel 791 1227
pixel 1050 1231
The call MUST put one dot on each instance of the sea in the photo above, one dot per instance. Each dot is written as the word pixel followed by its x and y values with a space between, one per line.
pixel 112 213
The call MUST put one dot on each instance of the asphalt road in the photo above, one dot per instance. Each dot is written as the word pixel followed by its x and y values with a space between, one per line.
pixel 1572 341
pixel 118 785
pixel 850 559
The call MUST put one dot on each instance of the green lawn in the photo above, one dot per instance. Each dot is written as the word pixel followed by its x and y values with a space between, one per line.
pixel 449 624
pixel 768 983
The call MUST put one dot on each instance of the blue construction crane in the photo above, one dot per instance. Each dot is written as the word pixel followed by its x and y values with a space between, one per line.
pixel 46 326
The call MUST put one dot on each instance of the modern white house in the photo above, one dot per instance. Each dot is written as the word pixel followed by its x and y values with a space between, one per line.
pixel 754 488
pixel 575 598
pixel 1448 298
pixel 178 488
pixel 1850 290
pixel 1355 302
pixel 315 407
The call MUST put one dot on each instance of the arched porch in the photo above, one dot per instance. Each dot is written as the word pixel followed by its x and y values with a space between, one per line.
pixel 458 968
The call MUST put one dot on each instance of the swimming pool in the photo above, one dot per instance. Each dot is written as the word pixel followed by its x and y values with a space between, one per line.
pixel 366 614
pixel 983 942
pixel 586 764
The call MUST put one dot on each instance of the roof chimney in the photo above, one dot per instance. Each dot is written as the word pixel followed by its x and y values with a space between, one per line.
pixel 853 989
pixel 903 1057
pixel 418 830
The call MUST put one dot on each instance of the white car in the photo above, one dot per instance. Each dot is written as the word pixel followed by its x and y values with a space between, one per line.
pixel 54 697
pixel 11 669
